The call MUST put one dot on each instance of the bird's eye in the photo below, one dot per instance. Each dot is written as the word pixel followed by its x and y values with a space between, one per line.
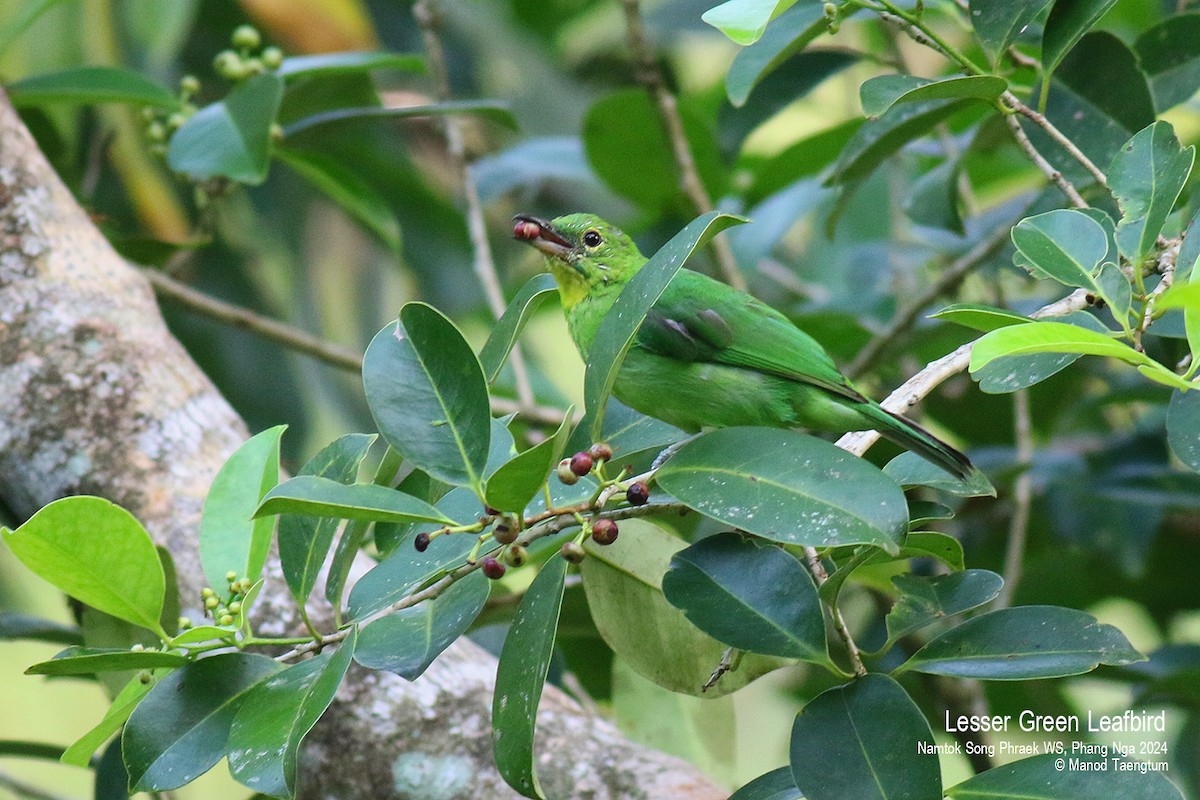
pixel 592 239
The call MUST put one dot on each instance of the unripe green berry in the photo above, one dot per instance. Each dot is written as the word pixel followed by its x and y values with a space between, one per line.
pixel 572 551
pixel 176 120
pixel 830 10
pixel 211 602
pixel 566 474
pixel 137 648
pixel 184 623
pixel 516 555
pixel 235 607
pixel 225 619
pixel 231 576
pixel 228 64
pixel 155 132
pixel 272 57
pixel 148 113
pixel 254 66
pixel 144 677
pixel 207 592
pixel 189 85
pixel 246 37
pixel 581 463
pixel 276 133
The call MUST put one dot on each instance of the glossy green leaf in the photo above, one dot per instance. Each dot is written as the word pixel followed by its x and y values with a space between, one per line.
pixel 353 195
pixel 1022 643
pixel 931 544
pixel 524 664
pixel 980 317
pixel 407 641
pixel 881 93
pixel 200 634
pixel 1146 178
pixel 921 512
pixel 341 63
pixel 405 570
pixel 322 497
pixel 1069 20
pixel 777 613
pixel 796 27
pixel 179 731
pixel 787 487
pixel 508 328
pixel 87 85
pixel 1065 245
pixel 934 199
pixel 774 785
pixel 1183 427
pixel 230 138
pixel 90 660
pixel 795 78
pixel 879 138
pixel 1169 54
pixel 1051 337
pixel 22 626
pixel 927 599
pixel 428 395
pixel 518 481
pixel 487 109
pixel 304 541
pixel 276 715
pixel 1086 777
pixel 909 469
pixel 231 540
pixel 97 553
pixel 621 323
pixel 744 21
pixel 997 23
pixel 1010 373
pixel 623 583
pixel 80 753
pixel 861 740
pixel 22 749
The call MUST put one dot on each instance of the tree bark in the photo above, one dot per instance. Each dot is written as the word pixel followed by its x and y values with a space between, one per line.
pixel 98 398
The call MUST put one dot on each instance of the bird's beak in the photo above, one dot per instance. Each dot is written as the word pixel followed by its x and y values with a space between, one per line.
pixel 542 235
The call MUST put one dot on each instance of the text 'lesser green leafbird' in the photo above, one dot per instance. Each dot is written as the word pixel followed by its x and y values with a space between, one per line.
pixel 708 355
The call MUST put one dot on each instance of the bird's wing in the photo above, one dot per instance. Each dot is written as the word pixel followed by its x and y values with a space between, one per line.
pixel 698 319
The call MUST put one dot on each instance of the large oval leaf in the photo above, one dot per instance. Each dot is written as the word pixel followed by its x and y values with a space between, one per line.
pixel 1183 427
pixel 787 487
pixel 751 596
pixel 97 553
pixel 1146 178
pixel 927 599
pixel 1065 244
pixel 744 21
pixel 90 660
pixel 1051 777
pixel 774 785
pixel 515 483
pixel 90 85
pixel 862 740
pixel 797 26
pixel 428 395
pixel 1024 642
pixel 1069 20
pixel 322 497
pixel 406 569
pixel 342 63
pixel 881 93
pixel 506 330
pixel 998 22
pixel 232 137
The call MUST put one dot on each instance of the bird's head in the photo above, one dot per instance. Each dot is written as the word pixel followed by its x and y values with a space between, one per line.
pixel 583 251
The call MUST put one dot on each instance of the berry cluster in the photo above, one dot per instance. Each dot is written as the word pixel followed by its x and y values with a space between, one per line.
pixel 223 611
pixel 241 62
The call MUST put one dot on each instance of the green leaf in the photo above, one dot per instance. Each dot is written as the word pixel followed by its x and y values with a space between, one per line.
pixel 1069 20
pixel 353 194
pixel 428 395
pixel 1064 244
pixel 87 85
pixel 524 664
pixel 179 731
pixel 20 18
pixel 879 138
pixel 23 749
pixel 80 753
pixel 621 323
pixel 921 512
pixel 342 63
pixel 1024 642
pixel 980 317
pixel 97 553
pixel 774 785
pixel 925 600
pixel 405 570
pixel 797 26
pixel 861 740
pixel 231 540
pixel 304 541
pixel 931 544
pixel 1051 337
pixel 278 713
pixel 744 21
pixel 776 613
pixel 623 583
pixel 488 109
pixel 322 497
pixel 23 626
pixel 803 159
pixel 787 487
pixel 508 328
pixel 1183 427
pixel 407 641
pixel 77 660
pixel 998 22
pixel 1169 54
pixel 1043 778
pixel 1010 373
pixel 934 199
pixel 909 469
pixel 517 482
pixel 230 138
pixel 881 93
pixel 1146 178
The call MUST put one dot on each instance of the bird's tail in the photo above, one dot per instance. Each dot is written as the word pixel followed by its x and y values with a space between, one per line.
pixel 912 436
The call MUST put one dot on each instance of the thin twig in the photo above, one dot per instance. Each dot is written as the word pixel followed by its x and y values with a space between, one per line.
pixel 301 341
pixel 1166 266
pixel 1058 136
pixel 906 317
pixel 426 14
pixel 813 560
pixel 1018 529
pixel 1041 163
pixel 651 79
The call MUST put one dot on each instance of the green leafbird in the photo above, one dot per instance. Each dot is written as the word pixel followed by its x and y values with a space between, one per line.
pixel 708 355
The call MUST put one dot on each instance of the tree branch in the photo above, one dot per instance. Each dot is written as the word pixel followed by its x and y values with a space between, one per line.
pixel 1041 163
pixel 1058 136
pixel 1018 529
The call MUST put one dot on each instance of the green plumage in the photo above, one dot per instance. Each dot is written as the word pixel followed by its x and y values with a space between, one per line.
pixel 708 355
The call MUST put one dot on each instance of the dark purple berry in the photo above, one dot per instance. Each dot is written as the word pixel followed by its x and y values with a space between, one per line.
pixel 638 494
pixel 493 568
pixel 604 531
pixel 421 542
pixel 572 552
pixel 491 512
pixel 600 452
pixel 581 463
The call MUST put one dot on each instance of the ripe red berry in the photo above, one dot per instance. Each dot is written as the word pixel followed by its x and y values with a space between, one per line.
pixel 581 463
pixel 523 229
pixel 604 531
pixel 600 452
pixel 421 542
pixel 493 568
pixel 638 494
pixel 572 552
